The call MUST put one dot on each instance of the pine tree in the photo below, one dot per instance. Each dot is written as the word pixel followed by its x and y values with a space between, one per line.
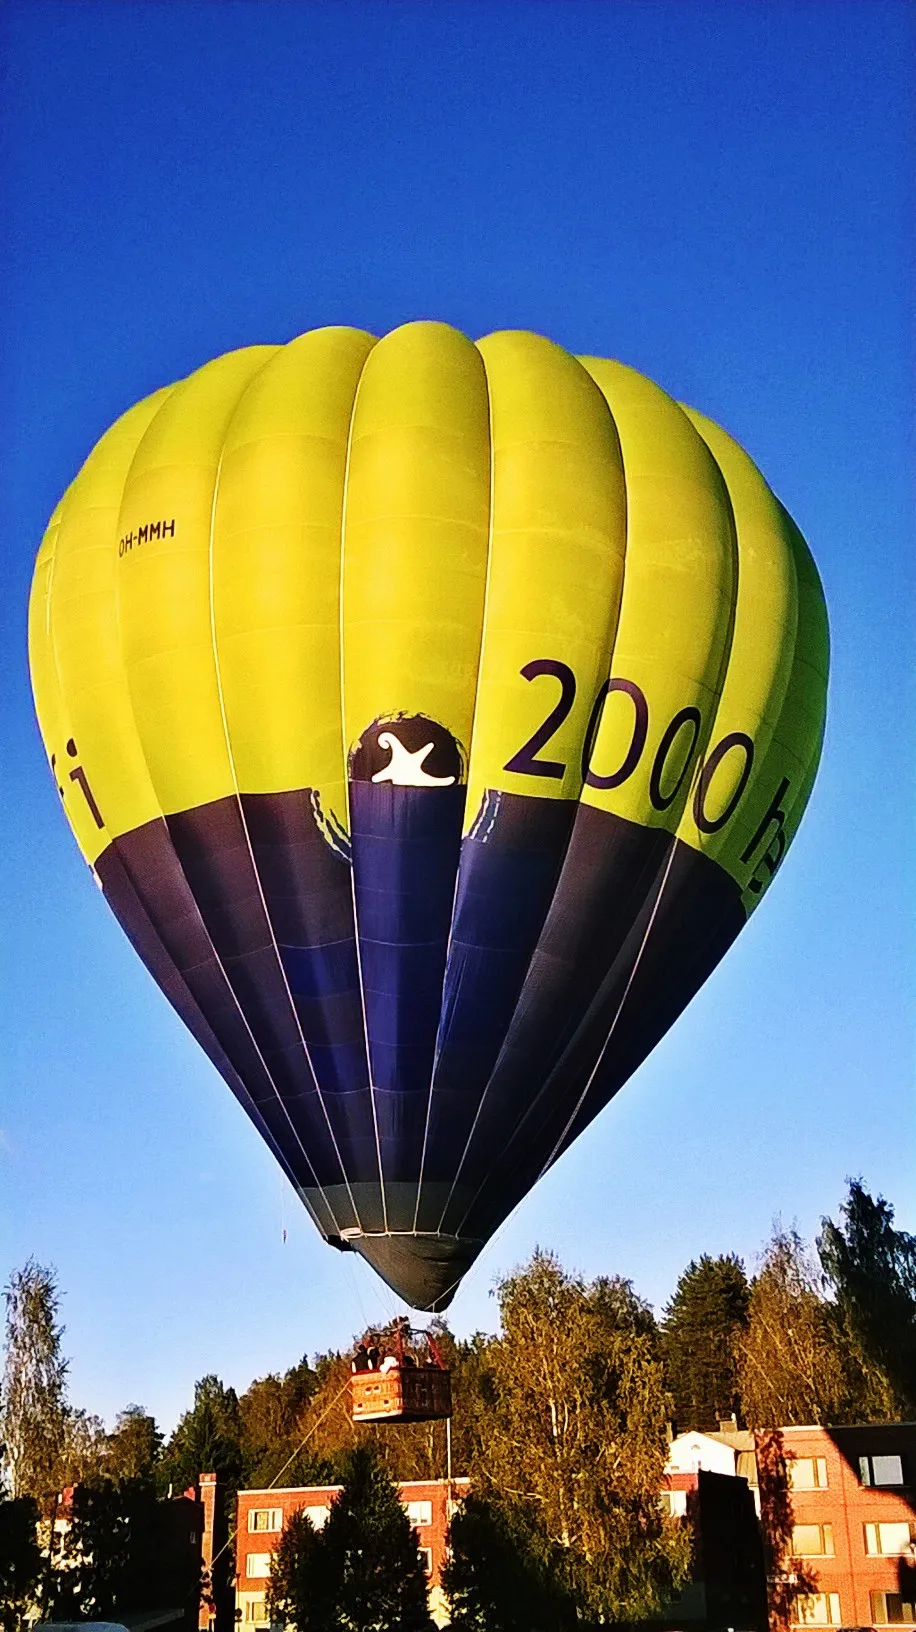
pixel 361 1573
pixel 207 1438
pixel 701 1332
pixel 33 1403
pixel 871 1269
pixel 301 1590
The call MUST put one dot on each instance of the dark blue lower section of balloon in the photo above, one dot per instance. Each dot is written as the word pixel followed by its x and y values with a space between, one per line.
pixel 638 922
pixel 510 864
pixel 405 844
pixel 417 1036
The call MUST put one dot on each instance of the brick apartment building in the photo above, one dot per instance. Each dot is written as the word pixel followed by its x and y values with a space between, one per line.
pixel 853 1497
pixel 728 1589
pixel 854 1510
pixel 262 1514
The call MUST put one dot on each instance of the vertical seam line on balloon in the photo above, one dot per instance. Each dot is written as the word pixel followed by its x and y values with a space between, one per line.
pixel 613 639
pixel 723 670
pixel 720 683
pixel 216 958
pixel 480 659
pixel 728 644
pixel 672 851
pixel 64 715
pixel 63 707
pixel 346 768
pixel 140 899
pixel 238 799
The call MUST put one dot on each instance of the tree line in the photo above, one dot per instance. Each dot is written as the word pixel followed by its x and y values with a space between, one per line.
pixel 562 1420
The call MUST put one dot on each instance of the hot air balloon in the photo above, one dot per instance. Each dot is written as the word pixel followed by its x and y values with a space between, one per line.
pixel 433 716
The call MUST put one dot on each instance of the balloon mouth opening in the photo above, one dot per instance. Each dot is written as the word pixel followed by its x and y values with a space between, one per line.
pixel 424 1270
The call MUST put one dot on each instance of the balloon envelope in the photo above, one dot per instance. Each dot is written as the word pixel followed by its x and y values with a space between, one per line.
pixel 433 716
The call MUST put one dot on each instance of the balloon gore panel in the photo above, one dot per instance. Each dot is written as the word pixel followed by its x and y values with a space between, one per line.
pixel 432 717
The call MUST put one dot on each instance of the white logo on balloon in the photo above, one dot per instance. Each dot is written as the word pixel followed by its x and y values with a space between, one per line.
pixel 405 769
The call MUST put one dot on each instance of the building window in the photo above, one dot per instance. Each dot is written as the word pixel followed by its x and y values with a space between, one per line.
pixel 265 1518
pixel 892 1540
pixel 807 1473
pixel 816 1609
pixel 257 1566
pixel 426 1556
pixel 892 1609
pixel 256 1610
pixel 420 1514
pixel 881 1470
pixel 812 1540
pixel 675 1503
pixel 318 1516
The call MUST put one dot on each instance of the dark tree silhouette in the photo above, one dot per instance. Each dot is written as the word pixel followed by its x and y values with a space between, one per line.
pixel 871 1269
pixel 362 1572
pixel 301 1591
pixel 496 1580
pixel 134 1448
pixel 20 1560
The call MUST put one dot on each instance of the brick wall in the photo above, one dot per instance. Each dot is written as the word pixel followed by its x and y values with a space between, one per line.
pixel 841 1500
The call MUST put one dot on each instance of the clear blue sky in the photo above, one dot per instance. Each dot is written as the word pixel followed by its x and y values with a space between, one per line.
pixel 715 193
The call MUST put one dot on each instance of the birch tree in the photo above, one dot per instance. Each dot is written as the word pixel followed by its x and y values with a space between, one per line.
pixel 575 1442
pixel 33 1403
pixel 792 1367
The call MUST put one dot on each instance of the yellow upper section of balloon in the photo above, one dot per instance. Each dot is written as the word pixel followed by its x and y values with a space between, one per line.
pixel 592 587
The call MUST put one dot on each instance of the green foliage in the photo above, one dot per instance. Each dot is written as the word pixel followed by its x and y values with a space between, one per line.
pixel 363 1571
pixel 871 1269
pixel 301 1590
pixel 85 1448
pixel 33 1395
pixel 575 1445
pixel 497 1578
pixel 20 1560
pixel 470 1395
pixel 703 1326
pixel 132 1451
pixel 271 1413
pixel 800 1361
pixel 792 1367
pixel 559 1420
pixel 206 1440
